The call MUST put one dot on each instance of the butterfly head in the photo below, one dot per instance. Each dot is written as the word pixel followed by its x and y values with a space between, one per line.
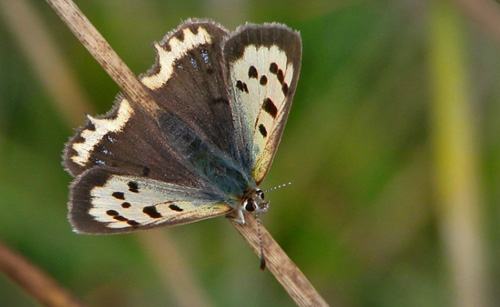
pixel 254 202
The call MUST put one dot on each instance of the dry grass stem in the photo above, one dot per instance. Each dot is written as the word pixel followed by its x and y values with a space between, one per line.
pixel 34 281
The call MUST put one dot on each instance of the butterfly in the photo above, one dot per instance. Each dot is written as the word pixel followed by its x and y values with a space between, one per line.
pixel 222 101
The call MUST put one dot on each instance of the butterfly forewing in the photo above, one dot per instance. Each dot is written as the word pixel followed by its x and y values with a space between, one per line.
pixel 262 68
pixel 222 103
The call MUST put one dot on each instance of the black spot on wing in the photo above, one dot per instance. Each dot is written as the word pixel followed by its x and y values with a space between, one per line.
pixel 273 68
pixel 152 212
pixel 118 195
pixel 252 72
pixel 242 86
pixel 263 80
pixel 270 107
pixel 281 76
pixel 133 187
pixel 126 205
pixel 284 88
pixel 175 208
pixel 112 213
pixel 262 130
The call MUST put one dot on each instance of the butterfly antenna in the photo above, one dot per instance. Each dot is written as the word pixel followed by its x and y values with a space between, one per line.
pixel 278 187
pixel 262 258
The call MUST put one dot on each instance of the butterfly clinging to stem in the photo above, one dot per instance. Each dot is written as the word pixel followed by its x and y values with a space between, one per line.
pixel 222 101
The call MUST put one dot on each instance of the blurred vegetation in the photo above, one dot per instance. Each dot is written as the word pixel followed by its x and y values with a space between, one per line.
pixel 375 216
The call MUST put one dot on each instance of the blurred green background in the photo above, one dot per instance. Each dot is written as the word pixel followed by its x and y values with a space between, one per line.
pixel 392 145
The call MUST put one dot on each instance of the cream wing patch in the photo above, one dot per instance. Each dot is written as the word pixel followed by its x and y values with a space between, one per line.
pixel 176 50
pixel 98 129
pixel 129 201
pixel 262 77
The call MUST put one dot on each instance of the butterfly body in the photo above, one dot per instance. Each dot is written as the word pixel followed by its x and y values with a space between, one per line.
pixel 222 103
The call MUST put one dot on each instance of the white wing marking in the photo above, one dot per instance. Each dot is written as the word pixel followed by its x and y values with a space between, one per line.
pixel 102 127
pixel 178 49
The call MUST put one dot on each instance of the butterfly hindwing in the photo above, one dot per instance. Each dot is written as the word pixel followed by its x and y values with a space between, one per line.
pixel 103 201
pixel 262 69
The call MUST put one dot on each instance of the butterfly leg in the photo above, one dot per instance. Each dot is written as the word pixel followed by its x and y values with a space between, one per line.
pixel 240 219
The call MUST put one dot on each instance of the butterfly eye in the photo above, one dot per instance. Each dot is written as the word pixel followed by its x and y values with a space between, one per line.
pixel 260 194
pixel 249 205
